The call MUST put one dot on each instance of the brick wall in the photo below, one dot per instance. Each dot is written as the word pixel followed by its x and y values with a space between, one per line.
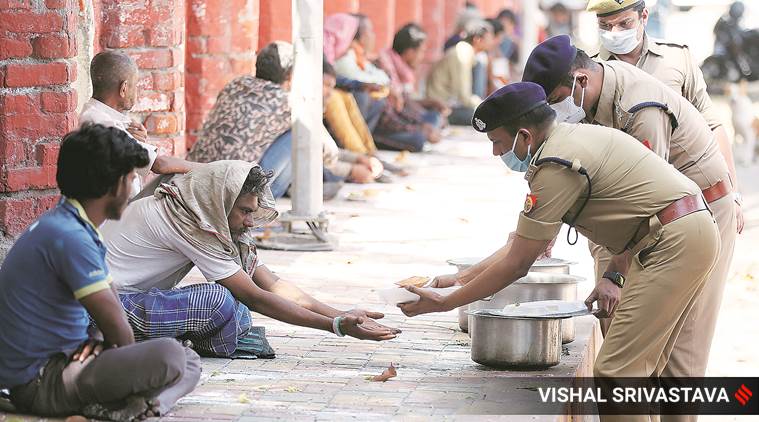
pixel 37 105
pixel 187 50
pixel 221 41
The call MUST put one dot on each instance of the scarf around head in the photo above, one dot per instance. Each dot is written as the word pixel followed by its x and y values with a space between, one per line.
pixel 199 203
pixel 402 77
pixel 339 31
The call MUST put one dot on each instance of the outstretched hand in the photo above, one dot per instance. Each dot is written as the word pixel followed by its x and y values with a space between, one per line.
pixel 369 320
pixel 353 326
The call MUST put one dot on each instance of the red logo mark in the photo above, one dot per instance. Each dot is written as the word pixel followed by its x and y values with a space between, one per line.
pixel 646 143
pixel 743 394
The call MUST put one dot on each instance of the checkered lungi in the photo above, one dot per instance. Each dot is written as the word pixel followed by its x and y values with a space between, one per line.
pixel 206 314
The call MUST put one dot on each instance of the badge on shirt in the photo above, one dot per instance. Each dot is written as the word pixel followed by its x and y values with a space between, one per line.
pixel 529 203
pixel 646 144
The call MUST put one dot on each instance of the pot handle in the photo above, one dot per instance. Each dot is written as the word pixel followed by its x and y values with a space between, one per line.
pixel 487 299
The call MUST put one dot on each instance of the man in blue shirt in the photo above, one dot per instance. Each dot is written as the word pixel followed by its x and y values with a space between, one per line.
pixel 55 278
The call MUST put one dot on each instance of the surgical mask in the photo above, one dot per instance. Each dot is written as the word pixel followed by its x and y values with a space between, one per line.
pixel 515 163
pixel 567 111
pixel 620 42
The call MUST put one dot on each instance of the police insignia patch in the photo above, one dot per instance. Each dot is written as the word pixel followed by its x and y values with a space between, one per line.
pixel 529 203
pixel 480 124
pixel 646 144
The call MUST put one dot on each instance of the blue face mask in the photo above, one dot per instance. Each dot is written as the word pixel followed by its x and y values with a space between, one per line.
pixel 515 163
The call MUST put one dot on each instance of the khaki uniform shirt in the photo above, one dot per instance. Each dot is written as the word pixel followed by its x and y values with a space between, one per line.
pixel 690 147
pixel 673 64
pixel 629 185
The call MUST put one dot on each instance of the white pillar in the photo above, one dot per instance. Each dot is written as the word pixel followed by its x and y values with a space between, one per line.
pixel 306 102
pixel 529 30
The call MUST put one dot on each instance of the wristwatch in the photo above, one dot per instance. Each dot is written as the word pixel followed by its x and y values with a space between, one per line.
pixel 738 198
pixel 615 277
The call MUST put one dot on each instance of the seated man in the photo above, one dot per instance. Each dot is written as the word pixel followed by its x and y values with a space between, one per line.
pixel 114 92
pixel 450 79
pixel 55 275
pixel 251 118
pixel 203 219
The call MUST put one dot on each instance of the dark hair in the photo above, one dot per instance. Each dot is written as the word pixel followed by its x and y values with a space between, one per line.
pixel 508 14
pixel 639 8
pixel 269 67
pixel 93 159
pixel 108 70
pixel 361 22
pixel 581 61
pixel 476 28
pixel 256 181
pixel 327 68
pixel 410 36
pixel 496 24
pixel 539 117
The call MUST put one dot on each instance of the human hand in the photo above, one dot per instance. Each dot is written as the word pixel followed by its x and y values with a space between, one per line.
pixel 372 87
pixel 607 294
pixel 352 325
pixel 431 133
pixel 138 131
pixel 446 280
pixel 369 319
pixel 428 302
pixel 361 174
pixel 89 347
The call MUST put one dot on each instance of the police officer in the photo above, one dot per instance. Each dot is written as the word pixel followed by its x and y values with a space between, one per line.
pixel 614 191
pixel 622 31
pixel 618 95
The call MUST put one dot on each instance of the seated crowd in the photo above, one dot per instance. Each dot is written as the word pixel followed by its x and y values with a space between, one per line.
pixel 99 326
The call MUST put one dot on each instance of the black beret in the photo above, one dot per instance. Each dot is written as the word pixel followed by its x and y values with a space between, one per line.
pixel 550 62
pixel 508 103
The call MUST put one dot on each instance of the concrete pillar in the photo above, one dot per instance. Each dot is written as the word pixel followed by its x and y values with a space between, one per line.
pixel 529 30
pixel 306 100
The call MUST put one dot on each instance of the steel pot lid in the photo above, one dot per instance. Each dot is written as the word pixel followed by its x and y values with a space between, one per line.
pixel 552 262
pixel 543 309
pixel 464 261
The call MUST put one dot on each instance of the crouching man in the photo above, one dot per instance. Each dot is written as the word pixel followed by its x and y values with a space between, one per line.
pixel 55 275
pixel 202 219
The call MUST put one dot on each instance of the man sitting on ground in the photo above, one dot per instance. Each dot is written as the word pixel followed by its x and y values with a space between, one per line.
pixel 114 92
pixel 55 275
pixel 202 219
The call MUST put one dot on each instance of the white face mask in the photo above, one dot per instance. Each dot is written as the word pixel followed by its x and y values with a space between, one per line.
pixel 620 42
pixel 567 111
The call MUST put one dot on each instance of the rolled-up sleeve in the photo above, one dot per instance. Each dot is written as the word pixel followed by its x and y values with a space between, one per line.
pixel 554 190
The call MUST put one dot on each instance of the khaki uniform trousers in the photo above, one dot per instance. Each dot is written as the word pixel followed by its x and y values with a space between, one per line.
pixel 691 353
pixel 663 284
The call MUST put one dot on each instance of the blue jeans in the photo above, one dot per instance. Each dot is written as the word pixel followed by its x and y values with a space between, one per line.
pixel 433 118
pixel 401 141
pixel 480 79
pixel 370 108
pixel 461 116
pixel 278 159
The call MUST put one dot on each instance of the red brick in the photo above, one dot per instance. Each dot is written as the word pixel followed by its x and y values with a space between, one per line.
pixel 14 48
pixel 194 121
pixel 56 73
pixel 16 215
pixel 33 126
pixel 12 152
pixel 196 45
pixel 166 81
pixel 24 103
pixel 59 102
pixel 22 22
pixel 219 44
pixel 124 37
pixel 153 59
pixel 163 37
pixel 47 154
pixel 382 15
pixel 208 17
pixel 17 179
pixel 139 16
pixel 407 12
pixel 15 4
pixel 162 124
pixel 57 4
pixel 178 103
pixel 54 46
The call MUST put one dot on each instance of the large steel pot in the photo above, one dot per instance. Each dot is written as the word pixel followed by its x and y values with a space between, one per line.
pixel 532 287
pixel 500 341
pixel 546 265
